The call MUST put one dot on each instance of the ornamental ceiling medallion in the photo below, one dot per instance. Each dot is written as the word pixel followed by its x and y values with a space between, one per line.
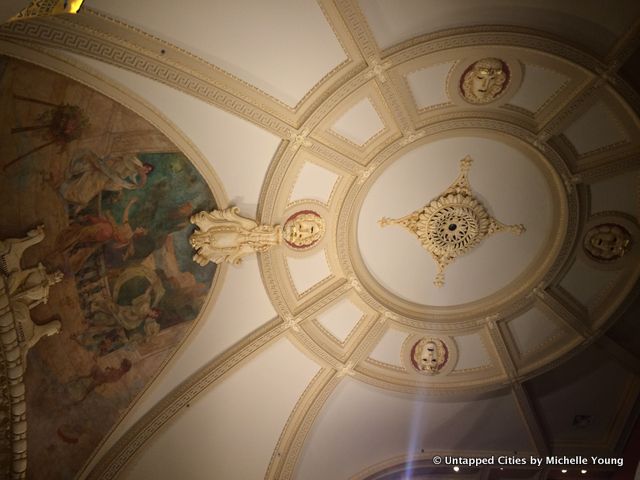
pixel 429 355
pixel 607 242
pixel 484 81
pixel 453 223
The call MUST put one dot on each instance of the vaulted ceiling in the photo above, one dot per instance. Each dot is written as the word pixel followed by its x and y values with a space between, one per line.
pixel 305 363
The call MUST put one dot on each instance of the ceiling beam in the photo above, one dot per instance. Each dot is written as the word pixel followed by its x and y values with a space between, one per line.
pixel 362 34
pixel 531 420
pixel 624 357
pixel 624 47
pixel 500 346
pixel 364 38
pixel 565 315
pixel 291 442
pixel 289 446
pixel 604 74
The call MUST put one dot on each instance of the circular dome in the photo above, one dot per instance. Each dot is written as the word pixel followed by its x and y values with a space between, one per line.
pixel 510 184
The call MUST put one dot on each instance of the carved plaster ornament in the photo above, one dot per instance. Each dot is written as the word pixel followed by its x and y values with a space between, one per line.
pixel 46 8
pixel 429 355
pixel 25 290
pixel 452 223
pixel 303 229
pixel 225 236
pixel 484 81
pixel 607 242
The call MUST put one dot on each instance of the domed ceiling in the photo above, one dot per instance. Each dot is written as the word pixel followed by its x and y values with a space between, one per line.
pixel 440 207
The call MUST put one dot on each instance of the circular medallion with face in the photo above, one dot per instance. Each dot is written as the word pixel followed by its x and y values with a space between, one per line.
pixel 303 229
pixel 607 242
pixel 484 81
pixel 429 355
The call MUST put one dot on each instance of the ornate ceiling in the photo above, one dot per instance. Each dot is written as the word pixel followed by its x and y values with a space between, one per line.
pixel 474 288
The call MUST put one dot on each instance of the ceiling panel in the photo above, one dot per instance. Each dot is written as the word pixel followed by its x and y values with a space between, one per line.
pixel 587 284
pixel 230 430
pixel 472 352
pixel 539 86
pixel 619 193
pixel 314 182
pixel 308 271
pixel 360 425
pixel 393 23
pixel 244 38
pixel 595 129
pixel 340 318
pixel 359 124
pixel 532 329
pixel 582 387
pixel 428 85
pixel 388 349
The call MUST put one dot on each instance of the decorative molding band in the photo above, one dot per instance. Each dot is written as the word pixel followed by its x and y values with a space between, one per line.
pixel 13 405
pixel 299 423
pixel 530 418
pixel 100 36
pixel 71 37
pixel 287 466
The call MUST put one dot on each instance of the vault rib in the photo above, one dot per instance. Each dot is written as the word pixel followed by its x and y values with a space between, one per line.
pixel 287 450
pixel 620 354
pixel 530 418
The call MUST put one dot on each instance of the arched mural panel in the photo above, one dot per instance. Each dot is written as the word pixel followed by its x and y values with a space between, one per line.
pixel 114 196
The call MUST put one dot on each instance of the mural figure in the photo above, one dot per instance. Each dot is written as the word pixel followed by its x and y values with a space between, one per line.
pixel 82 238
pixel 115 195
pixel 89 175
pixel 85 384
pixel 484 81
pixel 130 317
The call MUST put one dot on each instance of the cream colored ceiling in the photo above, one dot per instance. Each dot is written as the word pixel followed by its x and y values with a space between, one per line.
pixel 298 366
pixel 399 263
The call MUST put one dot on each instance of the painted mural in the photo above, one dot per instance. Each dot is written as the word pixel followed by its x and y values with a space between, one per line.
pixel 114 196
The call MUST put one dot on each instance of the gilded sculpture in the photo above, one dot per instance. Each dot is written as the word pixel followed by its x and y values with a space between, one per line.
pixel 429 355
pixel 46 8
pixel 453 223
pixel 225 236
pixel 484 81
pixel 607 242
